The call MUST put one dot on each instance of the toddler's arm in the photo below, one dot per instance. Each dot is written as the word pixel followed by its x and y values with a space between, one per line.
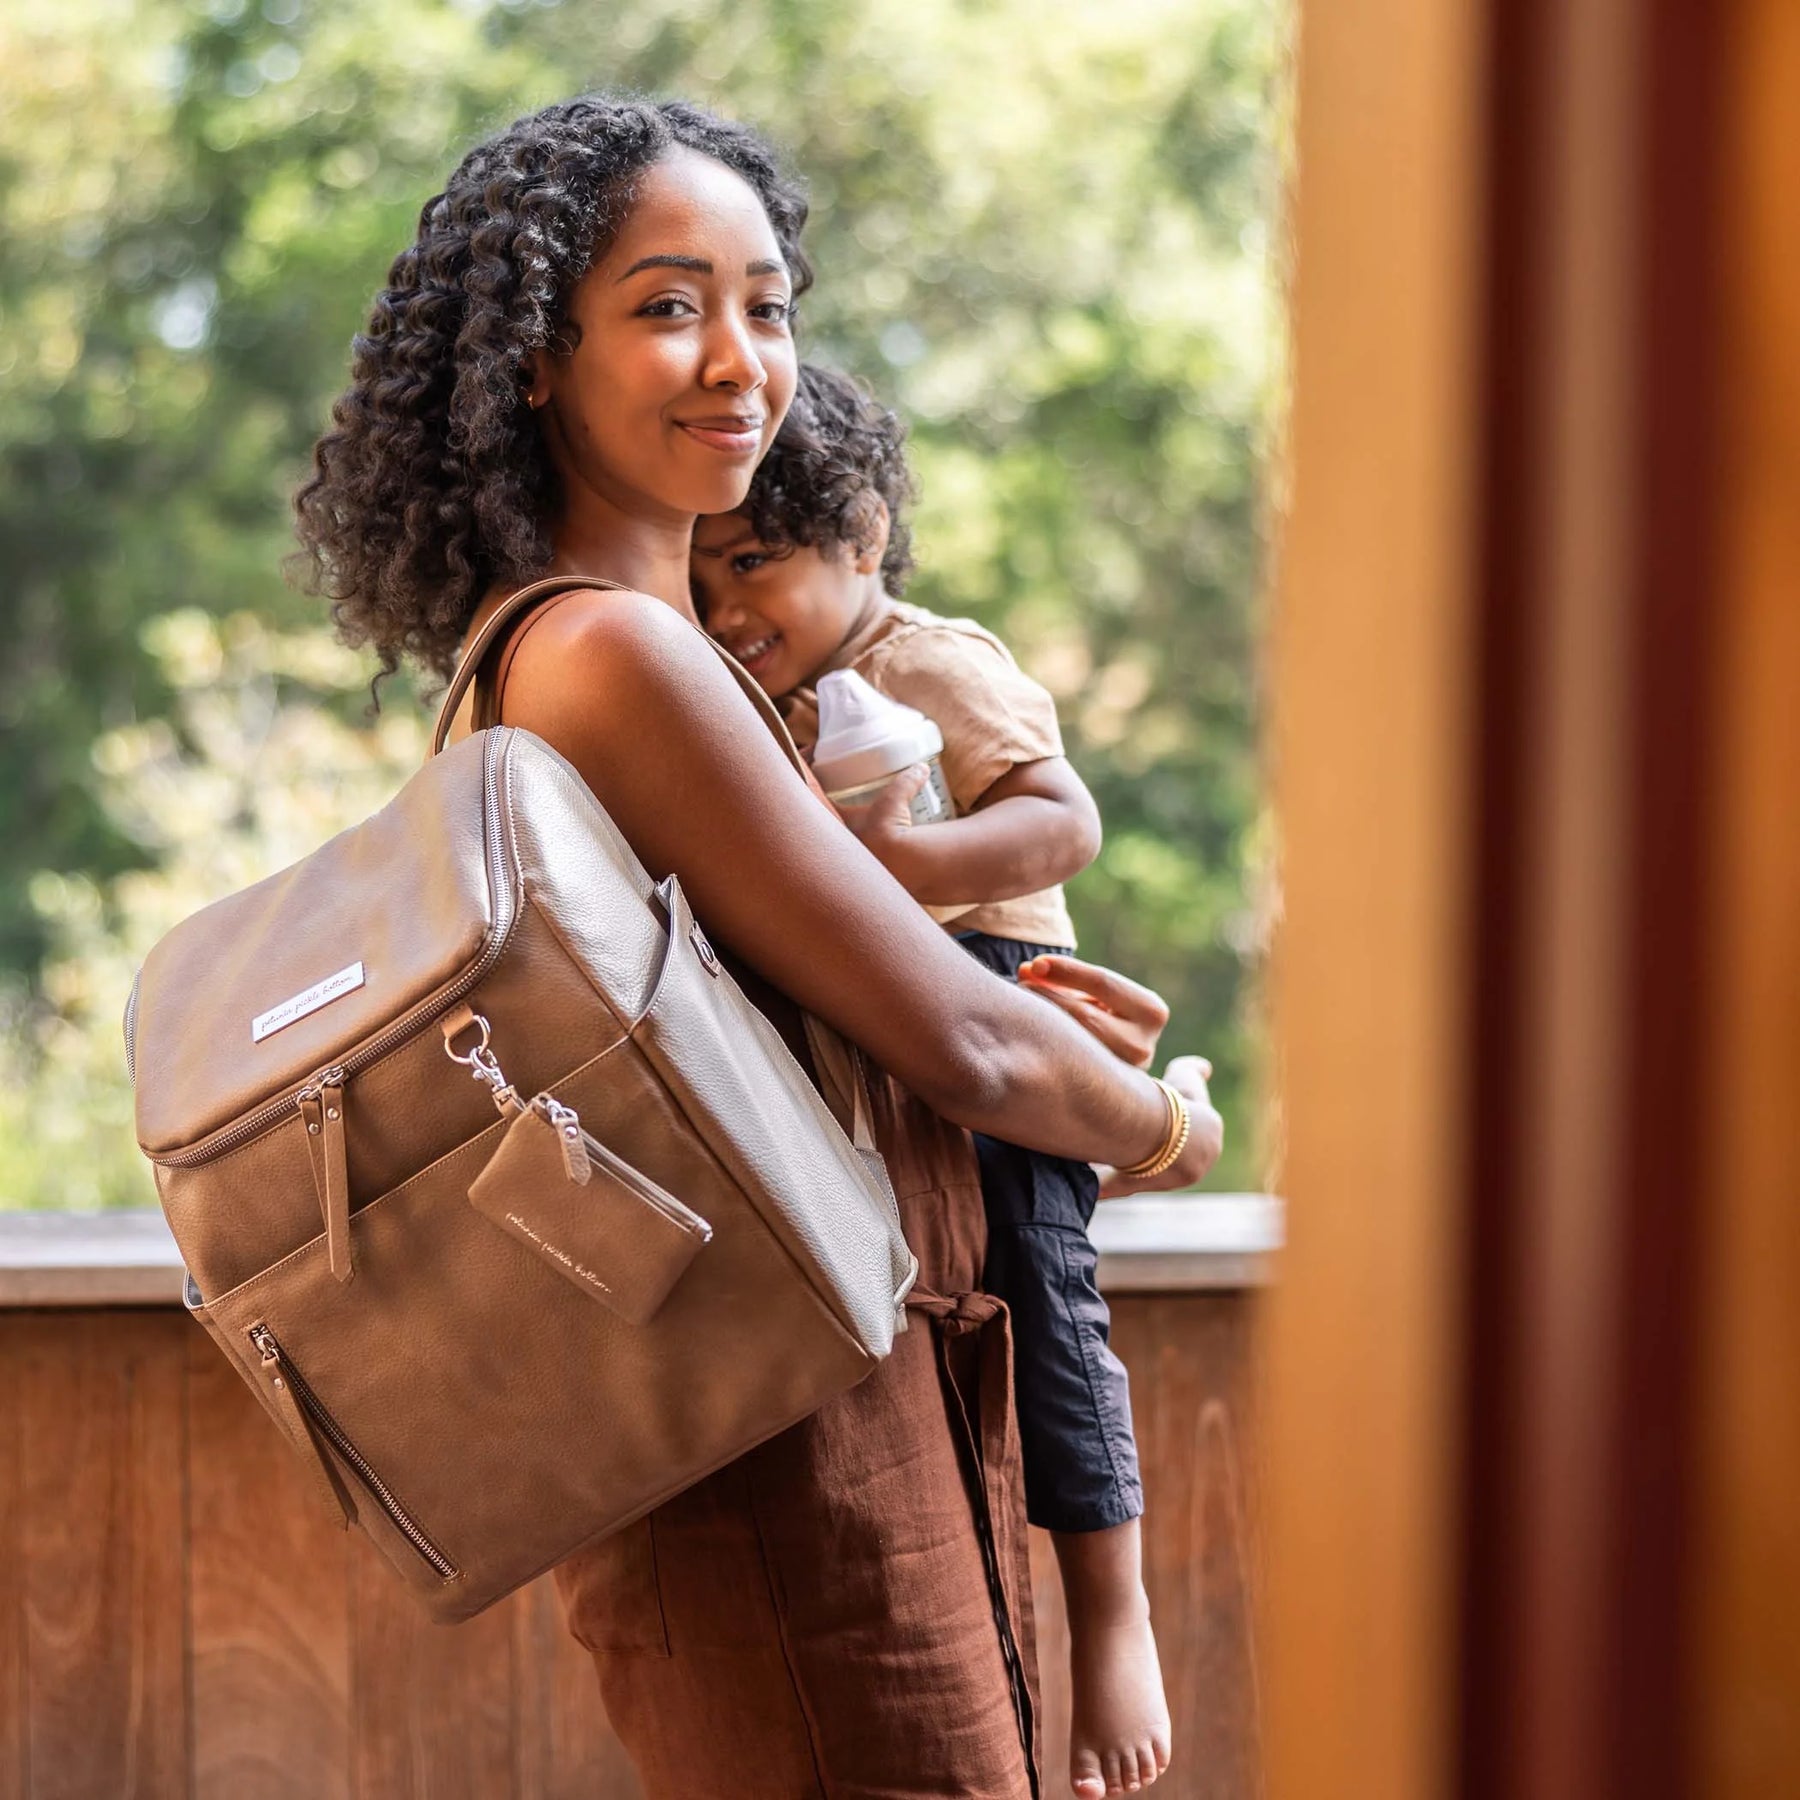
pixel 1034 827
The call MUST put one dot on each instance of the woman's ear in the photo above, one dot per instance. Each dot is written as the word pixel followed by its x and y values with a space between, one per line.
pixel 537 385
pixel 872 528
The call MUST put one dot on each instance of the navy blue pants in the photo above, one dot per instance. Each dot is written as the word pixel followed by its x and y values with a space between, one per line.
pixel 1081 1464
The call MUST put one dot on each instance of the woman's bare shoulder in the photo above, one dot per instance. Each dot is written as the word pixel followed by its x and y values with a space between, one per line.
pixel 587 629
pixel 605 654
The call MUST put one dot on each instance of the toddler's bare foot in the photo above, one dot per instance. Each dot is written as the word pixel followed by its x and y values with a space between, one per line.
pixel 1119 1732
pixel 1119 1740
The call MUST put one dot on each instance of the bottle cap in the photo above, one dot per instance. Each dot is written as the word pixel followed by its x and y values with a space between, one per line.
pixel 864 736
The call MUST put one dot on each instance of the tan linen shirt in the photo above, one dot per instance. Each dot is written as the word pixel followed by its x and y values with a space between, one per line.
pixel 993 717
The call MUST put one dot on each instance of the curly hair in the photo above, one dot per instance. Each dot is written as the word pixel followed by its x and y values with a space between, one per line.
pixel 837 448
pixel 432 483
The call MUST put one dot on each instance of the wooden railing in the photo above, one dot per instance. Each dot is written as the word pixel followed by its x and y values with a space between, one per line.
pixel 177 1620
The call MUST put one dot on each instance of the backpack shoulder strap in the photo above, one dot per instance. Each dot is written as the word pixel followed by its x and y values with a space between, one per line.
pixel 765 709
pixel 509 609
pixel 534 593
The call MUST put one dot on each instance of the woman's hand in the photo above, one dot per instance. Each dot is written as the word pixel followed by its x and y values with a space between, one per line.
pixel 1187 1075
pixel 1124 1015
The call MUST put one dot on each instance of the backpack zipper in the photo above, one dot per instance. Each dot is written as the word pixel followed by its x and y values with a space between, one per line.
pixel 410 1024
pixel 272 1355
pixel 321 1105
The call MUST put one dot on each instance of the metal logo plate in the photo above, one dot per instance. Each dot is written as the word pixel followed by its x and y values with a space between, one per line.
pixel 321 993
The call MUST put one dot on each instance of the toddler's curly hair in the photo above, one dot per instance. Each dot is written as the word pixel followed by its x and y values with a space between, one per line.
pixel 838 449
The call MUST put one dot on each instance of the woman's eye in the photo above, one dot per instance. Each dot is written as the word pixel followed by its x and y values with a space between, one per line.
pixel 670 306
pixel 775 312
pixel 749 560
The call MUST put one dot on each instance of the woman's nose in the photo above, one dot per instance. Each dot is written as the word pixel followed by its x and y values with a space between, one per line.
pixel 731 361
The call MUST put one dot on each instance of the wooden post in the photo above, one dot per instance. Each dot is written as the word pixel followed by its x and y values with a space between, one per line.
pixel 1535 1372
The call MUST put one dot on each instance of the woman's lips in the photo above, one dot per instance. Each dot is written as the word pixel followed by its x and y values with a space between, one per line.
pixel 734 437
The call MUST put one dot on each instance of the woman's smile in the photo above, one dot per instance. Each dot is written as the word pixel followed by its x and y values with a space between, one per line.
pixel 732 434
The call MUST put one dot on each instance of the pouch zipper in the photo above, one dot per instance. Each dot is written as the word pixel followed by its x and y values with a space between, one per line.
pixel 271 1352
pixel 409 1024
pixel 663 1201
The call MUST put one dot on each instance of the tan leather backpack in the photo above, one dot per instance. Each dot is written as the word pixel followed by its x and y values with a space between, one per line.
pixel 516 1214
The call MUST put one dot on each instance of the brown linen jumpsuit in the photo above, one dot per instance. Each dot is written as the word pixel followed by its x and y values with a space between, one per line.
pixel 844 1613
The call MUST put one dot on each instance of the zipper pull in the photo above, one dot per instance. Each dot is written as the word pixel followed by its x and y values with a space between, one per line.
pixel 322 1110
pixel 567 1126
pixel 298 1426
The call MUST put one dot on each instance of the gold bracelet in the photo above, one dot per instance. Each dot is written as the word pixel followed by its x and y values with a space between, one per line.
pixel 1181 1123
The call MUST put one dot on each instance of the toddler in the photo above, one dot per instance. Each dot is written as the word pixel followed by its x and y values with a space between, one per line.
pixel 805 579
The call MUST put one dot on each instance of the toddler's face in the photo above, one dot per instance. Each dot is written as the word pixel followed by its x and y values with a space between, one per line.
pixel 781 612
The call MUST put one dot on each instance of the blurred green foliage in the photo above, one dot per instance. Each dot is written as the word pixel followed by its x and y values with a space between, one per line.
pixel 1042 227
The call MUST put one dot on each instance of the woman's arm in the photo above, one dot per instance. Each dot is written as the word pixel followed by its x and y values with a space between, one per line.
pixel 1037 825
pixel 638 701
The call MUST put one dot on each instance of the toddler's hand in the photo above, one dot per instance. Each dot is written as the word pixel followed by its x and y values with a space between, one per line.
pixel 882 822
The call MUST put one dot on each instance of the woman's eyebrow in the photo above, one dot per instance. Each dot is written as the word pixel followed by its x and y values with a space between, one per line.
pixel 697 265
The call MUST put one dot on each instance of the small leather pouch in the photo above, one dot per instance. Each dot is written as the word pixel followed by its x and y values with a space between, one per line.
pixel 590 1216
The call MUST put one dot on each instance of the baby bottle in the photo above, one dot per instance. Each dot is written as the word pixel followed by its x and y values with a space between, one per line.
pixel 866 739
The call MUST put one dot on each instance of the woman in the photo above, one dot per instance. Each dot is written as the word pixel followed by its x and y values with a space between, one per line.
pixel 588 346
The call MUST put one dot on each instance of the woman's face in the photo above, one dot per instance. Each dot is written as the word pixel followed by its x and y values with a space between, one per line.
pixel 682 361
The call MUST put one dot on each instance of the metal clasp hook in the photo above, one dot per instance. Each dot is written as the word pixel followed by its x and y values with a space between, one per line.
pixel 481 1061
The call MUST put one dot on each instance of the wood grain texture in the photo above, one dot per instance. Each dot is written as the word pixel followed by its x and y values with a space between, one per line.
pixel 270 1600
pixel 433 1712
pixel 101 1543
pixel 235 1645
pixel 1193 1388
pixel 1193 1404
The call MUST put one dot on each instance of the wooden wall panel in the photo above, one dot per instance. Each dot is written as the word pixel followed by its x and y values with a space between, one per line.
pixel 433 1704
pixel 1193 1404
pixel 14 1769
pixel 101 1542
pixel 566 1749
pixel 1543 1141
pixel 270 1599
pixel 177 1619
pixel 1193 1398
pixel 1053 1667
